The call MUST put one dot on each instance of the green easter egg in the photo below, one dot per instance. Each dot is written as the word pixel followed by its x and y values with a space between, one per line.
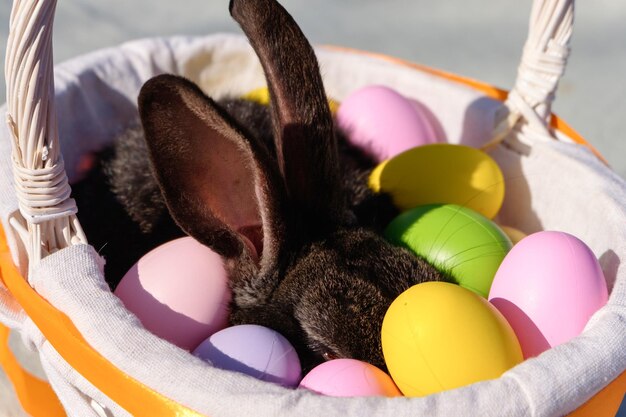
pixel 455 239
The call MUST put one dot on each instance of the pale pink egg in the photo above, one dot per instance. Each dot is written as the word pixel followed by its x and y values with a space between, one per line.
pixel 179 291
pixel 383 122
pixel 349 378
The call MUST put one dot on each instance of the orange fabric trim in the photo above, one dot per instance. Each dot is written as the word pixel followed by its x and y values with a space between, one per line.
pixel 36 396
pixel 135 397
pixel 488 90
pixel 560 125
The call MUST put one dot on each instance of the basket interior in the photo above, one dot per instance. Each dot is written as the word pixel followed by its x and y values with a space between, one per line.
pixel 553 185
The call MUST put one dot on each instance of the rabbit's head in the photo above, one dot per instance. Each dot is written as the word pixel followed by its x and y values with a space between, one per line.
pixel 299 263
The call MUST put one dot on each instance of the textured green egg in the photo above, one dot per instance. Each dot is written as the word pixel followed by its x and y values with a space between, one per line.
pixel 455 239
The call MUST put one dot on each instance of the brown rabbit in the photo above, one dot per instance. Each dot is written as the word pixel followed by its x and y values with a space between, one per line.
pixel 280 209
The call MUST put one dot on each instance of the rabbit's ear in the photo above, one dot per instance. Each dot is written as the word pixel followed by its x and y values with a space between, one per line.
pixel 220 187
pixel 301 117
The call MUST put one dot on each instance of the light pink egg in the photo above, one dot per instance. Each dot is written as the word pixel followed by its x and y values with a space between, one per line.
pixel 547 287
pixel 179 291
pixel 349 378
pixel 383 122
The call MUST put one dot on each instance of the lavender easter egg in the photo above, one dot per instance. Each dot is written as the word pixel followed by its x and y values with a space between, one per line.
pixel 253 350
pixel 547 287
pixel 384 123
pixel 179 291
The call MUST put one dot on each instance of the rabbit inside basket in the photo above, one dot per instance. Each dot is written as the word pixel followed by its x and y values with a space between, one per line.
pixel 276 190
pixel 279 191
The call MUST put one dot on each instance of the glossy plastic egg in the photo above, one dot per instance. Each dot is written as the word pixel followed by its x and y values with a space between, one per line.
pixel 547 287
pixel 442 174
pixel 262 96
pixel 253 350
pixel 349 378
pixel 438 336
pixel 455 239
pixel 179 291
pixel 433 125
pixel 383 122
pixel 514 234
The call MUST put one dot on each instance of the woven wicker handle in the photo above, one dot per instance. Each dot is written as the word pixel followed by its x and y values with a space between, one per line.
pixel 47 221
pixel 542 65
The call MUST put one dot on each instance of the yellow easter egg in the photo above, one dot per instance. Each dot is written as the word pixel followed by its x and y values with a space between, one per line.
pixel 514 234
pixel 259 95
pixel 442 174
pixel 262 96
pixel 438 336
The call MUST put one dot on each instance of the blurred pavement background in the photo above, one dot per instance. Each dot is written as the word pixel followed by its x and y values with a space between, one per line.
pixel 481 39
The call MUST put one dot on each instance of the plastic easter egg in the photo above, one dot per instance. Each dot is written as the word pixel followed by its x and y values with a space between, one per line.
pixel 438 336
pixel 253 350
pixel 435 130
pixel 349 378
pixel 179 291
pixel 547 287
pixel 381 121
pixel 467 245
pixel 442 174
pixel 514 234
pixel 262 96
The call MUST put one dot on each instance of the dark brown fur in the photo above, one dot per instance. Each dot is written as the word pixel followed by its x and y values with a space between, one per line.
pixel 322 276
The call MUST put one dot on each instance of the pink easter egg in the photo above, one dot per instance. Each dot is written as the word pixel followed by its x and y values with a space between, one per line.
pixel 383 122
pixel 431 124
pixel 349 378
pixel 547 287
pixel 179 291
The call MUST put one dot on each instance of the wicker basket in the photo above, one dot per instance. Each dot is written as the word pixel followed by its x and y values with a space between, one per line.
pixel 98 358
